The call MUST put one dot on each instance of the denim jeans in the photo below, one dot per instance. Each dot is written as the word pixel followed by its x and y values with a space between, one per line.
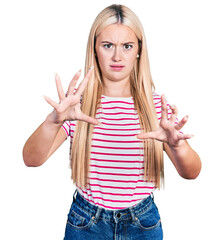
pixel 87 221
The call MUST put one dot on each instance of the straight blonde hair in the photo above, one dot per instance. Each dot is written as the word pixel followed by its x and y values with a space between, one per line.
pixel 142 88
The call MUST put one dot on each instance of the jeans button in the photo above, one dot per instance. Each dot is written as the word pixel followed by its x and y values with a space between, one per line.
pixel 118 215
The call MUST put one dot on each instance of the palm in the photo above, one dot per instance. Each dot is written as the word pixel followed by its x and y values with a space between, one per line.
pixel 168 130
pixel 68 107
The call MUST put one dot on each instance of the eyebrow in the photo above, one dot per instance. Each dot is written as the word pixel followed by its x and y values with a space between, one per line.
pixel 122 43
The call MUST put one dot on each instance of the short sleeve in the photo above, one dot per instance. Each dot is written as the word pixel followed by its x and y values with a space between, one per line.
pixel 158 107
pixel 67 126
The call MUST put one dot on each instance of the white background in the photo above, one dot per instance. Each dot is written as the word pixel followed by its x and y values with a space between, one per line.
pixel 186 50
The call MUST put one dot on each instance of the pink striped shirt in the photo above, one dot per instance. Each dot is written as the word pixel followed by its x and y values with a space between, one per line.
pixel 116 164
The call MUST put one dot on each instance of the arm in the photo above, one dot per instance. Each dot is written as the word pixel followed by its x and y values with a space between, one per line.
pixel 47 138
pixel 49 135
pixel 184 158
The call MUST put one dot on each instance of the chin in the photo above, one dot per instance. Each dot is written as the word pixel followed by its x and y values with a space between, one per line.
pixel 117 76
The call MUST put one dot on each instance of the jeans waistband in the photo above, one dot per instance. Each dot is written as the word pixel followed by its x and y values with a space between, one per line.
pixel 96 212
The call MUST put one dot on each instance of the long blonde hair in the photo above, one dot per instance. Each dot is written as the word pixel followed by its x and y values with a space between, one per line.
pixel 142 88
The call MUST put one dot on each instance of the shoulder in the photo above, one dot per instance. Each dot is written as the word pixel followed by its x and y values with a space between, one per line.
pixel 158 107
pixel 156 99
pixel 69 127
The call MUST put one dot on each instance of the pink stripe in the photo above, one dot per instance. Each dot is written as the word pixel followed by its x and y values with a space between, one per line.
pixel 66 131
pixel 111 129
pixel 126 148
pixel 118 174
pixel 169 113
pixel 125 124
pixel 116 108
pixel 157 103
pixel 115 135
pixel 118 201
pixel 130 103
pixel 114 194
pixel 67 124
pixel 125 168
pixel 116 154
pixel 112 180
pixel 105 206
pixel 118 113
pixel 111 141
pixel 126 188
pixel 120 161
pixel 119 119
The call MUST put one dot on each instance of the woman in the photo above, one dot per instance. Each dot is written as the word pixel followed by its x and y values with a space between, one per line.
pixel 107 117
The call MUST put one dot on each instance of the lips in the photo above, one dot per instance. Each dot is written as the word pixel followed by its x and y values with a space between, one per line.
pixel 117 67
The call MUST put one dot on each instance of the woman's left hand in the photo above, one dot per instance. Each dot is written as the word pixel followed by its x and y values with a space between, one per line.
pixel 168 131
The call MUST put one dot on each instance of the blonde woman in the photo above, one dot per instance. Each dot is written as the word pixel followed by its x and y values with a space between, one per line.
pixel 119 128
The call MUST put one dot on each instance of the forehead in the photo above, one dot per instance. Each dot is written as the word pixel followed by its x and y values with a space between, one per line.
pixel 117 33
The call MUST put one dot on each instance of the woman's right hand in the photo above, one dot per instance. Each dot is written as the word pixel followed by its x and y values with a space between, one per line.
pixel 68 107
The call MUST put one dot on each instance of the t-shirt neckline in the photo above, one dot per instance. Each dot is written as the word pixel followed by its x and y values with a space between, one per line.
pixel 127 98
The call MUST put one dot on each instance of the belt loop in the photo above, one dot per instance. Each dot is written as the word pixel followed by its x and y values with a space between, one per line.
pixel 134 218
pixel 152 196
pixel 97 215
pixel 74 195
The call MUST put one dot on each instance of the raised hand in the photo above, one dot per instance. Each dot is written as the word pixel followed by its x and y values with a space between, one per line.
pixel 168 131
pixel 68 107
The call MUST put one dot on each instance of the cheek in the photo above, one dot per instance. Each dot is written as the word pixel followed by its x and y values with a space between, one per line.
pixel 102 59
pixel 131 60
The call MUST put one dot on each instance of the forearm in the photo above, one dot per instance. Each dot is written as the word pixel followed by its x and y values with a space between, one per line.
pixel 36 149
pixel 185 160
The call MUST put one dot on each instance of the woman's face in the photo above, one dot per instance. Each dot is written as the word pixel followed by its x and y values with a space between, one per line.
pixel 116 48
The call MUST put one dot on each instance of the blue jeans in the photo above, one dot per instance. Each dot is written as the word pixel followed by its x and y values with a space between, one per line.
pixel 87 221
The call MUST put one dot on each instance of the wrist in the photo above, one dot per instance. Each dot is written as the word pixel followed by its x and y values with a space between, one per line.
pixel 181 144
pixel 52 120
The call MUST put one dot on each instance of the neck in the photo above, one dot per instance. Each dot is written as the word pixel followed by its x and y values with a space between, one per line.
pixel 116 88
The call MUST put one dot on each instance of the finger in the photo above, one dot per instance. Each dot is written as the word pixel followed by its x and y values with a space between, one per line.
pixel 84 82
pixel 89 119
pixel 181 123
pixel 73 83
pixel 174 110
pixel 151 135
pixel 185 136
pixel 164 109
pixel 61 93
pixel 51 102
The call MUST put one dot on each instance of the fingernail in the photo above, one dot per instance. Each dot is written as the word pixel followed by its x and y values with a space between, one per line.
pixel 91 68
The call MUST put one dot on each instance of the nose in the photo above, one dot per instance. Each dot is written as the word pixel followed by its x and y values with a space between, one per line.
pixel 116 54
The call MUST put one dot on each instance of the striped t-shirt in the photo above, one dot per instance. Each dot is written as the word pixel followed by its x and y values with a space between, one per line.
pixel 116 161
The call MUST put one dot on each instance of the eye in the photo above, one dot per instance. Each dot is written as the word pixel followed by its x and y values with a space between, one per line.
pixel 128 46
pixel 108 45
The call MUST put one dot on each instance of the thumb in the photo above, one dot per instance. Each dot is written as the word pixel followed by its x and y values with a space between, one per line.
pixel 151 135
pixel 89 119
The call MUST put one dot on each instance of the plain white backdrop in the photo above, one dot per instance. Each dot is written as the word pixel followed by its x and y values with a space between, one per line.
pixel 186 52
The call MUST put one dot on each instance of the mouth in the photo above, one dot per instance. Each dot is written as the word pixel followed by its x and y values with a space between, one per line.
pixel 117 67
